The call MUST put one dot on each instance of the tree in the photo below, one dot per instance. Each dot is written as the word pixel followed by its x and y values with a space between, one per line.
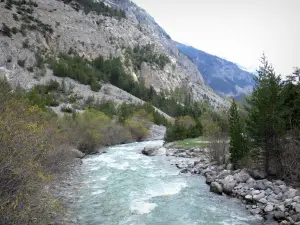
pixel 264 123
pixel 237 146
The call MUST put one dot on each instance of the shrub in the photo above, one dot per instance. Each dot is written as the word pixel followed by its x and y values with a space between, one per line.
pixel 30 69
pixel 6 30
pixel 15 16
pixel 25 43
pixel 66 109
pixel 14 30
pixel 29 155
pixel 21 62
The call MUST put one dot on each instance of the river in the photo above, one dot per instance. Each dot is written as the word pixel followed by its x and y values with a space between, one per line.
pixel 124 187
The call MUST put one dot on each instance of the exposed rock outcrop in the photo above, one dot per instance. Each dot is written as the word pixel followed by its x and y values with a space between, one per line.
pixel 93 35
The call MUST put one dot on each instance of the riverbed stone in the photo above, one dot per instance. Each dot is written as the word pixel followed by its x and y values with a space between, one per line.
pixel 296 199
pixel 291 193
pixel 228 184
pixel 209 179
pixel 216 188
pixel 255 211
pixel 255 192
pixel 257 174
pixel 242 176
pixel 269 208
pixel 297 208
pixel 76 153
pixel 248 197
pixel 258 196
pixel 260 185
pixel 281 207
pixel 279 215
pixel 150 151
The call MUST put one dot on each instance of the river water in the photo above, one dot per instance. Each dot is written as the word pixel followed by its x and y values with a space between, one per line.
pixel 124 187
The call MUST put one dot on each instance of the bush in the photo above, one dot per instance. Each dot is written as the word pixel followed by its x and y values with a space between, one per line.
pixel 30 69
pixel 15 16
pixel 66 109
pixel 184 127
pixel 6 30
pixel 29 155
pixel 140 54
pixel 21 62
pixel 14 30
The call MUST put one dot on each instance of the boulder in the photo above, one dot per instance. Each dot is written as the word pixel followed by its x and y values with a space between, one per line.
pixel 255 192
pixel 260 185
pixel 223 174
pixel 296 218
pixel 184 170
pixel 228 184
pixel 216 188
pixel 279 215
pixel 296 199
pixel 269 208
pixel 259 196
pixel 150 151
pixel 291 193
pixel 248 197
pixel 273 198
pixel 280 208
pixel 209 179
pixel 75 153
pixel 255 211
pixel 297 208
pixel 257 174
pixel 263 201
pixel 242 176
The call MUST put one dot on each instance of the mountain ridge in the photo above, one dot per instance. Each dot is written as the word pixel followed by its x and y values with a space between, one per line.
pixel 92 34
pixel 223 76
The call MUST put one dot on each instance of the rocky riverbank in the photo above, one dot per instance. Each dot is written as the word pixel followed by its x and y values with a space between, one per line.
pixel 274 200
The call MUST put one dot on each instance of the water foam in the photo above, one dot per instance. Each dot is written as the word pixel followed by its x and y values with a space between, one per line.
pixel 140 206
pixel 122 166
pixel 166 189
pixel 98 192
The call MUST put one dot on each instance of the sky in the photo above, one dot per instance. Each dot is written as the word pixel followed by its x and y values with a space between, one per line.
pixel 237 30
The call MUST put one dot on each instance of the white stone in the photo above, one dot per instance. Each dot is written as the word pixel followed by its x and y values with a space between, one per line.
pixel 268 208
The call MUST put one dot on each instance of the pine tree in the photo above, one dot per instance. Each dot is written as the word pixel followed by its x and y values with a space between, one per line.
pixel 237 147
pixel 264 124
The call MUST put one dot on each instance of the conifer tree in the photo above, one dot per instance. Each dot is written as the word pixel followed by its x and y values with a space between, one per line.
pixel 237 146
pixel 264 123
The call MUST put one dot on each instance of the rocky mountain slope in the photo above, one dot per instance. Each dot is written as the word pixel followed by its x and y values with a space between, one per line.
pixel 224 77
pixel 50 27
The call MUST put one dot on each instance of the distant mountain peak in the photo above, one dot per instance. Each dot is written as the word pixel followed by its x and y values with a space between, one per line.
pixel 223 76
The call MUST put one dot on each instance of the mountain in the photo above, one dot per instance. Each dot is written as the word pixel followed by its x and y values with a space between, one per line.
pixel 107 28
pixel 224 77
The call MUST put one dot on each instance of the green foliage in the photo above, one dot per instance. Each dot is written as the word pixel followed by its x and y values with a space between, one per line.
pixel 290 101
pixel 140 54
pixel 237 146
pixel 21 62
pixel 264 123
pixel 99 7
pixel 25 43
pixel 30 153
pixel 183 128
pixel 6 30
pixel 44 95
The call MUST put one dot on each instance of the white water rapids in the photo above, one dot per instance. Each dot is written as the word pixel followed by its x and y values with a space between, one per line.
pixel 124 187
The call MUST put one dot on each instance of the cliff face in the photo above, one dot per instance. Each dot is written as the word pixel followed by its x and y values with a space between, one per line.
pixel 92 35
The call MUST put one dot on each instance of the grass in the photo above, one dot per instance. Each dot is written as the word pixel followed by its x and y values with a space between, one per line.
pixel 193 142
